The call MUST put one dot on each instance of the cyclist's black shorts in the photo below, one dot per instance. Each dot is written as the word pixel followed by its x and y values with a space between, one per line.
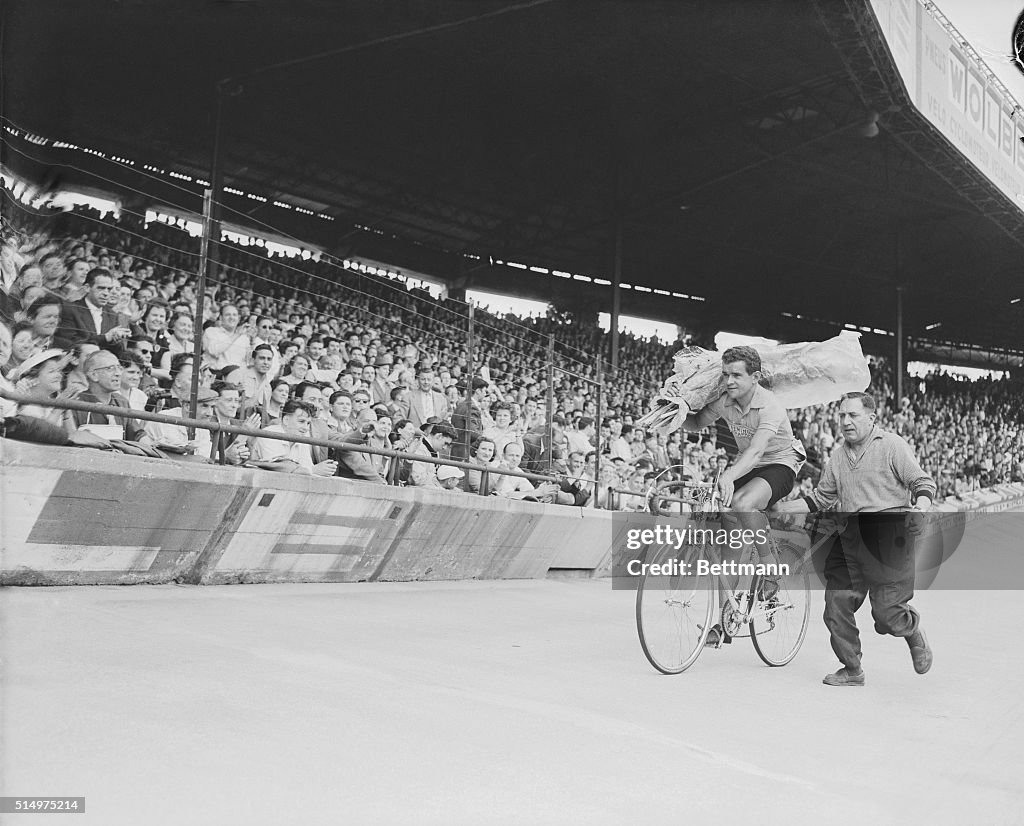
pixel 780 477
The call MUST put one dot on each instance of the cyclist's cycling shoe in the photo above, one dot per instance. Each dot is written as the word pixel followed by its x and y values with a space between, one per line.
pixel 717 636
pixel 845 677
pixel 920 651
pixel 768 588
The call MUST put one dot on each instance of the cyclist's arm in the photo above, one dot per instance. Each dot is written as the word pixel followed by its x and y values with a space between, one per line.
pixel 705 417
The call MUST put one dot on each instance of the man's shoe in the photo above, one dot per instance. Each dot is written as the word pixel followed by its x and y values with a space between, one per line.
pixel 845 677
pixel 717 637
pixel 920 651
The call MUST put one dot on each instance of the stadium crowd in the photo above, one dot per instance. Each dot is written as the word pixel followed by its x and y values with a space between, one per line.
pixel 105 310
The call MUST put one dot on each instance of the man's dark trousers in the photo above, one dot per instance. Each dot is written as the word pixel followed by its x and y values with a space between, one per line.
pixel 873 557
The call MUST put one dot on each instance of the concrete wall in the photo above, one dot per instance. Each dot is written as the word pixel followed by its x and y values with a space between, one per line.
pixel 75 516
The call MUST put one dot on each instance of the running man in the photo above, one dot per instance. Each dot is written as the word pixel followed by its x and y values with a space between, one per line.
pixel 878 485
pixel 769 455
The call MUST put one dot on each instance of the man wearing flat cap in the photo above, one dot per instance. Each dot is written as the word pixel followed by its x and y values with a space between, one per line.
pixel 174 438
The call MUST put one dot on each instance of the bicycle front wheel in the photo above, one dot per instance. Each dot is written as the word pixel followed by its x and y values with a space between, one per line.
pixel 778 622
pixel 674 608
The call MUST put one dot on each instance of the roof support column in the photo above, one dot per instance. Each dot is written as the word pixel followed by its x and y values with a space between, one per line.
pixel 616 295
pixel 899 346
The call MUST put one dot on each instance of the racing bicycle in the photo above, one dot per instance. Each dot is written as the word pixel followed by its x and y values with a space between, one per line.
pixel 675 602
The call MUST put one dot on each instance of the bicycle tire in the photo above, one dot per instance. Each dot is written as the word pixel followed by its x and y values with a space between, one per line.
pixel 673 612
pixel 778 626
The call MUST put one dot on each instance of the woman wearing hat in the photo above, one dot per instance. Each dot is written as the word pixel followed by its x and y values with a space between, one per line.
pixel 41 375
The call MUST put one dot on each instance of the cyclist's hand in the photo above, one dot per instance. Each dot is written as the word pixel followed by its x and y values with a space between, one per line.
pixel 726 490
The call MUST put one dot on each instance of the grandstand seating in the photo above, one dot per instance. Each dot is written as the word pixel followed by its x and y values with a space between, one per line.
pixel 967 434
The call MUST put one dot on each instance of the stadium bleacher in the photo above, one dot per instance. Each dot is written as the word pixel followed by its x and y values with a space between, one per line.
pixel 343 340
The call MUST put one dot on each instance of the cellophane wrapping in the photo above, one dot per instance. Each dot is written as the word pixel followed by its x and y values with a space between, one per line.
pixel 800 375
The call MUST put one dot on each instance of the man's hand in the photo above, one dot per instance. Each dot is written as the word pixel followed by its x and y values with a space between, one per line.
pixel 916 520
pixel 326 468
pixel 547 491
pixel 237 453
pixel 26 385
pixel 117 334
pixel 726 489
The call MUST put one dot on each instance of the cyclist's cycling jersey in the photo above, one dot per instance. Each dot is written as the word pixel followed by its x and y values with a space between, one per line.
pixel 764 413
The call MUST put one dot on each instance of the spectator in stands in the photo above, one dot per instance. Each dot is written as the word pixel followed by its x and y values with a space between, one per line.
pixel 270 411
pixel 360 403
pixel 517 487
pixel 103 370
pixel 341 421
pixel 292 457
pixel 226 409
pixel 181 381
pixel 154 326
pixel 580 438
pixel 354 464
pixel 378 438
pixel 501 432
pixel 309 394
pixel 543 453
pixel 173 438
pixel 27 428
pixel 75 380
pixel 483 456
pixel 180 341
pixel 382 385
pixel 143 348
pixel 449 477
pixel 256 378
pixel 54 272
pixel 425 402
pixel 23 345
pixel 226 342
pixel 42 375
pixel 132 372
pixel 299 370
pixel 44 316
pixel 577 469
pixel 437 440
pixel 91 319
pixel 398 407
pixel 622 447
pixel 467 419
pixel 7 407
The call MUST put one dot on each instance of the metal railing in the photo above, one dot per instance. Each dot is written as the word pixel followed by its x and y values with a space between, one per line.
pixel 221 428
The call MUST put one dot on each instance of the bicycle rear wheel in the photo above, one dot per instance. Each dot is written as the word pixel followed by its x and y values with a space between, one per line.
pixel 778 624
pixel 674 608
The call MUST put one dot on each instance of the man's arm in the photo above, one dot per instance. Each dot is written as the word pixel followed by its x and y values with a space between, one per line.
pixel 422 474
pixel 358 463
pixel 909 471
pixel 705 417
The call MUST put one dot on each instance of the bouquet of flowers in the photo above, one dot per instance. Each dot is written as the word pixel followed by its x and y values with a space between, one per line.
pixel 800 375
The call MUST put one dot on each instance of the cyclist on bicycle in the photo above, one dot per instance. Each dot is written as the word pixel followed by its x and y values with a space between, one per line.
pixel 769 456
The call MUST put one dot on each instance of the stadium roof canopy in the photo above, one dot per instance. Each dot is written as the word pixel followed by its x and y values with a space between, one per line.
pixel 727 137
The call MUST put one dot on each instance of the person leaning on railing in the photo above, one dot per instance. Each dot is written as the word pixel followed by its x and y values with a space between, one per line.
pixel 291 457
pixel 27 428
pixel 103 370
pixel 41 375
pixel 435 439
